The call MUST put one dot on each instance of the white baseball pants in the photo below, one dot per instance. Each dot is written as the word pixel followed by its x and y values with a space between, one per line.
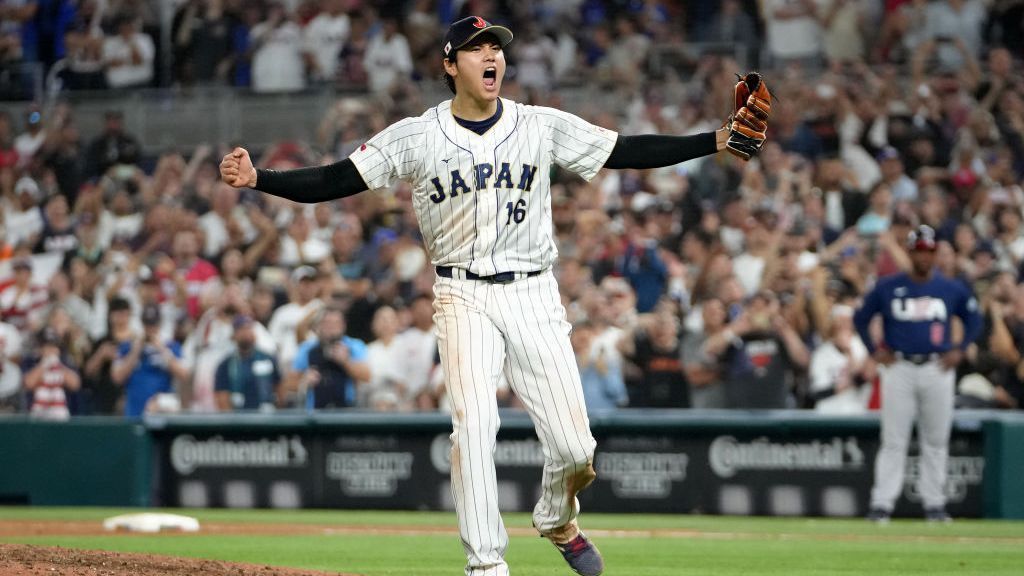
pixel 518 329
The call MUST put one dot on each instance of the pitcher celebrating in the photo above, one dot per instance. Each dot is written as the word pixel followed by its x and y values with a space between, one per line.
pixel 480 167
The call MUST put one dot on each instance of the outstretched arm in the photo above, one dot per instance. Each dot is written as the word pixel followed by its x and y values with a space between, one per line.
pixel 655 150
pixel 307 185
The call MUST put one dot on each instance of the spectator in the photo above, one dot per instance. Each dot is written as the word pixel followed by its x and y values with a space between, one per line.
pixel 58 233
pixel 148 366
pixel 298 245
pixel 999 80
pixel 248 378
pixel 15 23
pixel 793 32
pixel 950 20
pixel 642 264
pixel 333 366
pixel 114 147
pixel 1009 237
pixel 23 218
pixel 203 42
pixel 655 348
pixel 31 140
pixel 304 300
pixel 1010 392
pixel 128 55
pixel 603 386
pixel 760 254
pixel 8 155
pixel 84 43
pixel 64 154
pixel 325 35
pixel 10 386
pixel 535 55
pixel 352 71
pixel 277 64
pixel 878 216
pixel 11 341
pixel 44 29
pixel 51 380
pixel 225 224
pixel 624 61
pixel 762 356
pixel 704 371
pixel 843 23
pixel 385 385
pixel 416 349
pixel 839 369
pixel 101 395
pixel 988 357
pixel 242 45
pixel 388 56
pixel 23 303
pixel 191 276
pixel 733 25
pixel 61 296
pixel 902 187
pixel 211 341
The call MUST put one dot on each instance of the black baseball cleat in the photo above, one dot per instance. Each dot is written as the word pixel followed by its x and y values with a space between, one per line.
pixel 582 556
pixel 937 515
pixel 879 516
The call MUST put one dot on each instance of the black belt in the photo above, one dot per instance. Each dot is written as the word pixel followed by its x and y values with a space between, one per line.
pixel 499 278
pixel 918 359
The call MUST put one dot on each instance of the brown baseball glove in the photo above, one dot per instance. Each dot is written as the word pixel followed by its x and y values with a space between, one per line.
pixel 749 120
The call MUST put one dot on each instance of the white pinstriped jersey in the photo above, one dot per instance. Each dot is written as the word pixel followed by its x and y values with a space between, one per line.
pixel 484 201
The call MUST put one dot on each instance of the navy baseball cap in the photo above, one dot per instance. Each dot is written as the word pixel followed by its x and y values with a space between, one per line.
pixel 921 238
pixel 461 32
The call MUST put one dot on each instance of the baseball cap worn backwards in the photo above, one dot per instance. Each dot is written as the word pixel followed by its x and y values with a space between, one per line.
pixel 463 31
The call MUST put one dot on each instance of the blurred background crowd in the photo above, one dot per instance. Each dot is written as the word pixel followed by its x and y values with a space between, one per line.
pixel 134 281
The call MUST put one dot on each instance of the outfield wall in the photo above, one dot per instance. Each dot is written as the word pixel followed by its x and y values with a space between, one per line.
pixel 764 463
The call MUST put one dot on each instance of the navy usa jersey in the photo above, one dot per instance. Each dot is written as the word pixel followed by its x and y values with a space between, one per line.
pixel 916 316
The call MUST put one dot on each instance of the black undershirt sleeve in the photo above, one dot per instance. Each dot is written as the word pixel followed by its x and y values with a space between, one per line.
pixel 313 184
pixel 655 150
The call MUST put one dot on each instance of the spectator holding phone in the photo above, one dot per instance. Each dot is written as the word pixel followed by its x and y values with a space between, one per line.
pixel 333 364
pixel 51 380
pixel 148 365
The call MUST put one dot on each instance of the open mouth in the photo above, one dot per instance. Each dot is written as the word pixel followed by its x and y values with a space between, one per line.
pixel 490 76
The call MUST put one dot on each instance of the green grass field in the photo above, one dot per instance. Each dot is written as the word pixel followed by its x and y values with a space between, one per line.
pixel 661 546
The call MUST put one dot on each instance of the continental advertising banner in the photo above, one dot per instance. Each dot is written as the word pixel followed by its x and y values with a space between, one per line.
pixel 807 471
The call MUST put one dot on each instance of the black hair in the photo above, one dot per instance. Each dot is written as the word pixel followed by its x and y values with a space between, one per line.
pixel 448 80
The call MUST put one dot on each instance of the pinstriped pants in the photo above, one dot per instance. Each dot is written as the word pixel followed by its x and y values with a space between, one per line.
pixel 519 329
pixel 925 394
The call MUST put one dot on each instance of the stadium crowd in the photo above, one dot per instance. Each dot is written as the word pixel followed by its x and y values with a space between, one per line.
pixel 713 284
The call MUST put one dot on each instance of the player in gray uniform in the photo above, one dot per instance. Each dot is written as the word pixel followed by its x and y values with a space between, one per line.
pixel 917 361
pixel 480 168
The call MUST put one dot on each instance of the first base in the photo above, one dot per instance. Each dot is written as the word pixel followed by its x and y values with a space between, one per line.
pixel 151 522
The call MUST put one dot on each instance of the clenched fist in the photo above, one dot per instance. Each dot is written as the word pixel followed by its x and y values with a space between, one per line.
pixel 237 170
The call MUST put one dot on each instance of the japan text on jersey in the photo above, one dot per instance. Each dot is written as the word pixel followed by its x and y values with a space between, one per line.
pixel 483 201
pixel 481 175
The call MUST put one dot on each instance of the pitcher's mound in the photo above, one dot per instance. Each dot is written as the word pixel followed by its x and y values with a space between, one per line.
pixel 26 560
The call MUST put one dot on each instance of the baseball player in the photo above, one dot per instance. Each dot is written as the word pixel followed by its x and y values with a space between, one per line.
pixel 917 368
pixel 480 165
